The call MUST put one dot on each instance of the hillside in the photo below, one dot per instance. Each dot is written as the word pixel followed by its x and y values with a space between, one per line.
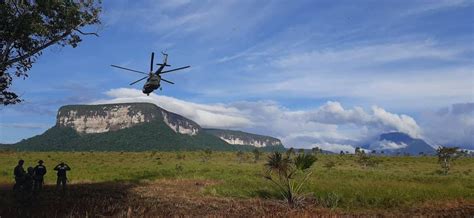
pixel 412 146
pixel 125 127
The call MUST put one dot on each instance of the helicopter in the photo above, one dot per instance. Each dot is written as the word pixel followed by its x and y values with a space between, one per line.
pixel 153 78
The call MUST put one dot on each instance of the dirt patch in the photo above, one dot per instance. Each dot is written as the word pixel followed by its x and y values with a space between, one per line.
pixel 180 197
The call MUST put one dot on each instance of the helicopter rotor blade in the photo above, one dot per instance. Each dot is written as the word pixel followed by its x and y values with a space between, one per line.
pixel 152 57
pixel 123 68
pixel 139 80
pixel 167 71
pixel 167 81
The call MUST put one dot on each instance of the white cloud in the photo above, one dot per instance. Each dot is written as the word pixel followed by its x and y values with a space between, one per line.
pixel 24 125
pixel 398 75
pixel 384 145
pixel 336 148
pixel 329 123
pixel 451 125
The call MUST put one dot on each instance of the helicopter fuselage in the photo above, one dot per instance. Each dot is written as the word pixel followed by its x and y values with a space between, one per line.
pixel 151 84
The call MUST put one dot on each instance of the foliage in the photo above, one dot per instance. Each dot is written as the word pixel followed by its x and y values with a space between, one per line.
pixel 446 155
pixel 154 135
pixel 317 150
pixel 256 154
pixel 289 175
pixel 28 27
pixel 367 161
pixel 290 152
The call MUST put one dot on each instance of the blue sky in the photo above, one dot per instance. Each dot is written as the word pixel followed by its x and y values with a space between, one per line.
pixel 271 65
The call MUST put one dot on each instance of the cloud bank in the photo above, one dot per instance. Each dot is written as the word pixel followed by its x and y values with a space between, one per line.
pixel 452 125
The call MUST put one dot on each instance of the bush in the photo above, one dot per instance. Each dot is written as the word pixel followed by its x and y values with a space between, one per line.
pixel 289 175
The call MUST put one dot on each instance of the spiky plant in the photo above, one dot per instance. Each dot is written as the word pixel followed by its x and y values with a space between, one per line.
pixel 289 175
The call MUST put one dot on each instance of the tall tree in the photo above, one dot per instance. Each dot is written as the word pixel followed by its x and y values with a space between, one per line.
pixel 29 27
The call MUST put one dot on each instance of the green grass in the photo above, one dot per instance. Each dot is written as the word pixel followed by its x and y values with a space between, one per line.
pixel 397 182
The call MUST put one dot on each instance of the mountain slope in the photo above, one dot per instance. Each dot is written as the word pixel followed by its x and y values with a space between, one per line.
pixel 412 146
pixel 243 138
pixel 124 127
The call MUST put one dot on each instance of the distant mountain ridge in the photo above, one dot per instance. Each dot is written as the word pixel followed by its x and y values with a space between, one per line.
pixel 127 127
pixel 409 145
pixel 243 138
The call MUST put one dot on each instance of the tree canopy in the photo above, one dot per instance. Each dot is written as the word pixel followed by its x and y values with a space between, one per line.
pixel 28 27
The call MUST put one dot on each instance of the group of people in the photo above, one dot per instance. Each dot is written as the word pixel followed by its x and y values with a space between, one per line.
pixel 32 180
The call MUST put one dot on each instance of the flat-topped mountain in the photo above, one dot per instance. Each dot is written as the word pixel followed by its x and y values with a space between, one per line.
pixel 110 117
pixel 133 127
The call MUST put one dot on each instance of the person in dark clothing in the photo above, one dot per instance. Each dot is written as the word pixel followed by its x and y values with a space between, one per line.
pixel 19 173
pixel 28 181
pixel 62 168
pixel 39 172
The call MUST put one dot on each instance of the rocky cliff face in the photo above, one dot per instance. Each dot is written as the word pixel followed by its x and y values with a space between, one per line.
pixel 242 138
pixel 87 119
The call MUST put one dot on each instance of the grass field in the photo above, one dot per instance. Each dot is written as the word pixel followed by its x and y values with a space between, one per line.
pixel 397 183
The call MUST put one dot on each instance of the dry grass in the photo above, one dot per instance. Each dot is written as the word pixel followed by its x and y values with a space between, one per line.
pixel 152 184
pixel 184 197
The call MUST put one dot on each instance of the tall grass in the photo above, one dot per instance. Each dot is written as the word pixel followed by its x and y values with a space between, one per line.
pixel 396 182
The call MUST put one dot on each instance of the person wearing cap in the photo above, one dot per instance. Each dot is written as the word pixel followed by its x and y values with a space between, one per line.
pixel 62 168
pixel 19 173
pixel 39 172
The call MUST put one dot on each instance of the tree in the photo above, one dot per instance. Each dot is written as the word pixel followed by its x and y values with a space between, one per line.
pixel 317 150
pixel 289 174
pixel 29 27
pixel 445 156
pixel 256 154
pixel 301 151
pixel 290 152
pixel 357 150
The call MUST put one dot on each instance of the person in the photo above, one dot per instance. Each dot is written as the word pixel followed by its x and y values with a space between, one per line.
pixel 39 172
pixel 62 168
pixel 19 173
pixel 28 181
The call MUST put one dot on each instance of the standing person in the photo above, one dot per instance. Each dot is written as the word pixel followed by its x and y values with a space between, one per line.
pixel 40 171
pixel 62 168
pixel 28 182
pixel 19 173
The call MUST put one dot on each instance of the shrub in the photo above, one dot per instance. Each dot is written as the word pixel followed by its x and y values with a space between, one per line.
pixel 289 175
pixel 445 156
